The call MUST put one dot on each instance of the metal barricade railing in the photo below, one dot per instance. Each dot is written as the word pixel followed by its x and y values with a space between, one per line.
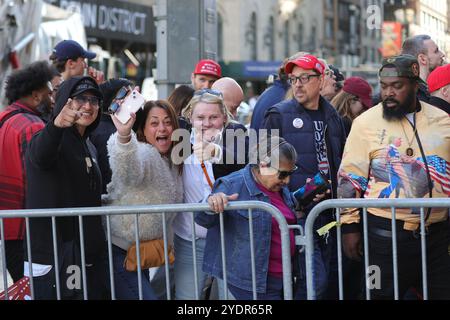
pixel 147 209
pixel 393 204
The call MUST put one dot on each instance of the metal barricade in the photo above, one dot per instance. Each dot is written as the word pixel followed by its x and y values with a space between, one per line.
pixel 393 204
pixel 148 209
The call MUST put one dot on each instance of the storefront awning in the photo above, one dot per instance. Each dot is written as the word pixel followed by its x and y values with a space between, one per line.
pixel 249 70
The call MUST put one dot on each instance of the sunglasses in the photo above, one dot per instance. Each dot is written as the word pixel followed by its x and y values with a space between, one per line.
pixel 284 174
pixel 121 94
pixel 82 100
pixel 209 91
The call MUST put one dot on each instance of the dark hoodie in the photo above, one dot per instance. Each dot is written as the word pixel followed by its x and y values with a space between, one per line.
pixel 62 172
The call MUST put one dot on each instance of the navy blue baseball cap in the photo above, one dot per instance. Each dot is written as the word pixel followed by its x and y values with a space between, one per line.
pixel 70 49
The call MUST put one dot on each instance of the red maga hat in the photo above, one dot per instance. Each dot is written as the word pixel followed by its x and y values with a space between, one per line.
pixel 307 62
pixel 208 67
pixel 440 77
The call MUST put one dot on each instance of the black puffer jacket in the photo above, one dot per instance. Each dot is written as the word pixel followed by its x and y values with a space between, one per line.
pixel 62 172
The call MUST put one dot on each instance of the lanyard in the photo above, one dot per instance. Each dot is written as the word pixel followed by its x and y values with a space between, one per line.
pixel 206 175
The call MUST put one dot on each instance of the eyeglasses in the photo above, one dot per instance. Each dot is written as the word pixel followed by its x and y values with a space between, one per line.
pixel 304 78
pixel 329 73
pixel 284 174
pixel 121 94
pixel 209 91
pixel 94 101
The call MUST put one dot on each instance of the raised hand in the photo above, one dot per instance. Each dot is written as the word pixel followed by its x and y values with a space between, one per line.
pixel 69 114
pixel 97 75
pixel 204 148
pixel 124 130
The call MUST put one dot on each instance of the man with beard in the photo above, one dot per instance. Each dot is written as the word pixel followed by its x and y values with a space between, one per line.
pixel 401 134
pixel 26 90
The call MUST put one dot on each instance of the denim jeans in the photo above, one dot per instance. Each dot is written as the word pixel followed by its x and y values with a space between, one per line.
pixel 126 282
pixel 274 291
pixel 184 268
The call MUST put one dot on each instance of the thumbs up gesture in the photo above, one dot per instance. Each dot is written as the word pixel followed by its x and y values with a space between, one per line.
pixel 204 148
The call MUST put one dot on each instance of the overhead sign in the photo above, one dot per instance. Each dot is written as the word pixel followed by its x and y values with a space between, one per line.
pixel 112 19
pixel 392 38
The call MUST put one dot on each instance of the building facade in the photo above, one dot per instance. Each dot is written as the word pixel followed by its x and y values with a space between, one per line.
pixel 267 31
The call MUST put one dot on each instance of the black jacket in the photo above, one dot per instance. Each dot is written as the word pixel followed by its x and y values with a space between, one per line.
pixel 62 172
pixel 99 137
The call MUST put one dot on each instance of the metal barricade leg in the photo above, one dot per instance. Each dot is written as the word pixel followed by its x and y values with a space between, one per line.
pixel 83 258
pixel 366 253
pixel 194 258
pixel 138 255
pixel 339 254
pixel 423 243
pixel 56 257
pixel 5 273
pixel 30 260
pixel 252 253
pixel 394 252
pixel 166 258
pixel 110 257
pixel 224 259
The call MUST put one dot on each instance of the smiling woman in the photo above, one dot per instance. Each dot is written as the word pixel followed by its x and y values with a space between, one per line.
pixel 142 173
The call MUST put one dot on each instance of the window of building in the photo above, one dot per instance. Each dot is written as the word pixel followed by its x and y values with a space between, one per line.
pixel 300 37
pixel 270 38
pixel 253 37
pixel 286 38
pixel 219 36
pixel 329 28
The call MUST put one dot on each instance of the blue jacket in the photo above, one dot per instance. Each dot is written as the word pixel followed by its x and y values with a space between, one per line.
pixel 237 239
pixel 270 97
pixel 281 117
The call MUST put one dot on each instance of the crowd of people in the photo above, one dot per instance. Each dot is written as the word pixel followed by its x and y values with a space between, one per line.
pixel 62 147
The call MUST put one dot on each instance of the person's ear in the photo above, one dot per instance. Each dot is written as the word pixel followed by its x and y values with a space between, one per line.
pixel 422 59
pixel 444 91
pixel 263 164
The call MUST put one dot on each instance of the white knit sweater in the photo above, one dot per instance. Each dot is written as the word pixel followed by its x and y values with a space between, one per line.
pixel 140 175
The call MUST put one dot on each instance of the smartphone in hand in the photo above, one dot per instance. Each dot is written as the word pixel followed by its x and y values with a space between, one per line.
pixel 131 104
pixel 318 184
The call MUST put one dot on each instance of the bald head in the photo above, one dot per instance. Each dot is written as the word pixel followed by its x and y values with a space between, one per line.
pixel 232 93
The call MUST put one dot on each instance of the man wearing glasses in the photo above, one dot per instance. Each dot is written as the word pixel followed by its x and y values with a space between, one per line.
pixel 63 172
pixel 315 129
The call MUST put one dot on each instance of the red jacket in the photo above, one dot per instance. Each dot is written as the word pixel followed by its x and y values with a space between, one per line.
pixel 15 134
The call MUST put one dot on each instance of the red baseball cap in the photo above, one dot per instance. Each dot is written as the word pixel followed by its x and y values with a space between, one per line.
pixel 439 78
pixel 359 87
pixel 307 62
pixel 208 67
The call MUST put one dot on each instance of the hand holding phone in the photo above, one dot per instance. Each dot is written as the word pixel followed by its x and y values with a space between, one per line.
pixel 317 185
pixel 131 104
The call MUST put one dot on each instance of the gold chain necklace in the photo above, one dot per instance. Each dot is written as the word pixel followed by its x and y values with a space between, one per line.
pixel 409 150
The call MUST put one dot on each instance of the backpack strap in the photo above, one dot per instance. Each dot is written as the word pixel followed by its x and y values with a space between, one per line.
pixel 12 114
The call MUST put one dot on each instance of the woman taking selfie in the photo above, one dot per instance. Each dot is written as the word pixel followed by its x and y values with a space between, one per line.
pixel 142 173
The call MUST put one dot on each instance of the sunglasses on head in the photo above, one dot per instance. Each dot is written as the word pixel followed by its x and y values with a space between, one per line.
pixel 121 94
pixel 209 91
